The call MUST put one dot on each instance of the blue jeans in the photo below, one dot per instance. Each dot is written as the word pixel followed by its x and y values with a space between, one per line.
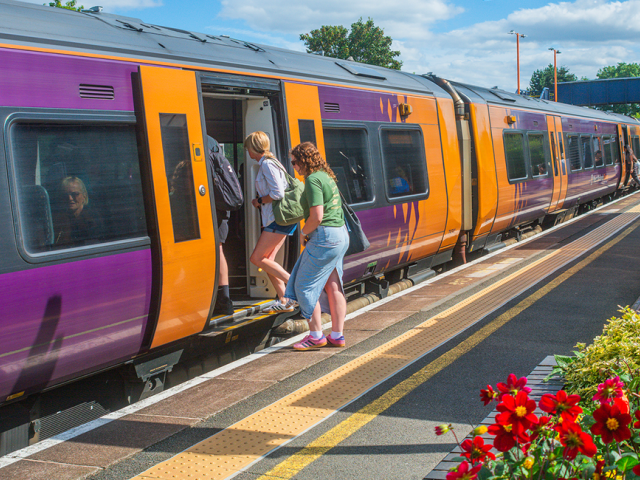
pixel 324 252
pixel 273 227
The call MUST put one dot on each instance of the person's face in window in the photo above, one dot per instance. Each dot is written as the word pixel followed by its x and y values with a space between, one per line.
pixel 75 198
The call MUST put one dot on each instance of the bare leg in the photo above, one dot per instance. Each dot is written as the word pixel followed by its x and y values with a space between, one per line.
pixel 264 255
pixel 337 302
pixel 224 268
pixel 315 322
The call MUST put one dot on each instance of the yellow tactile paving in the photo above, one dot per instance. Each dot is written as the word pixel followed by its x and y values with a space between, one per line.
pixel 236 447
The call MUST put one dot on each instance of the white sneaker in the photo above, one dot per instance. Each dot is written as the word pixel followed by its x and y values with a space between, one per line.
pixel 280 307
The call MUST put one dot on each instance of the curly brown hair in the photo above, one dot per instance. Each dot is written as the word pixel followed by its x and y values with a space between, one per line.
pixel 310 160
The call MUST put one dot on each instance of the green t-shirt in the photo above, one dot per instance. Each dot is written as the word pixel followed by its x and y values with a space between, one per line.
pixel 321 189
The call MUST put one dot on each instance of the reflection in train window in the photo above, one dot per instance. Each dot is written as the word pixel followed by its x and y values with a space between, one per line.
pixel 613 155
pixel 587 153
pixel 573 152
pixel 405 166
pixel 177 164
pixel 536 155
pixel 514 154
pixel 598 155
pixel 76 185
pixel 348 156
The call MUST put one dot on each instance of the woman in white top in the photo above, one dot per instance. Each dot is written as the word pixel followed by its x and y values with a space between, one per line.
pixel 271 183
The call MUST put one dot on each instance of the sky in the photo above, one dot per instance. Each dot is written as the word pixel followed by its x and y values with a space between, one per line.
pixel 461 40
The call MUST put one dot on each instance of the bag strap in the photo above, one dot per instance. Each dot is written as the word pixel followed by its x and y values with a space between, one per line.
pixel 281 167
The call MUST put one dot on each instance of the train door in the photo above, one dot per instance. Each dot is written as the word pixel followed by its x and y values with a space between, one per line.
pixel 623 139
pixel 554 126
pixel 234 107
pixel 184 242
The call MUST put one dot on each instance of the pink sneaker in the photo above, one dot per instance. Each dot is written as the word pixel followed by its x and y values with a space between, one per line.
pixel 308 343
pixel 338 342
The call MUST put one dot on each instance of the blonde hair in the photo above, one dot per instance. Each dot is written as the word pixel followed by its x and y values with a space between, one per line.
pixel 69 180
pixel 258 142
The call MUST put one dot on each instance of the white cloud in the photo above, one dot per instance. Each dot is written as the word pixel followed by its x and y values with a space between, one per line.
pixel 303 16
pixel 590 34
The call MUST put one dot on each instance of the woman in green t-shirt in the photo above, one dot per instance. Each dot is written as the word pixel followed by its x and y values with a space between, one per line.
pixel 326 241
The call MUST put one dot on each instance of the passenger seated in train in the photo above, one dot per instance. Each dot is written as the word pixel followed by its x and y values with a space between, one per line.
pixel 542 169
pixel 399 184
pixel 76 224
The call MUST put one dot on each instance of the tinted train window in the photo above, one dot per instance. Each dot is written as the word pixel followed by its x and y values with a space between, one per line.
pixel 536 155
pixel 573 152
pixel 405 166
pixel 76 185
pixel 598 155
pixel 587 153
pixel 514 153
pixel 635 144
pixel 177 164
pixel 348 156
pixel 615 150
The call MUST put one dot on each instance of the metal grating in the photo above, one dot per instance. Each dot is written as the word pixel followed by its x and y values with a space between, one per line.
pixel 332 107
pixel 100 92
pixel 225 454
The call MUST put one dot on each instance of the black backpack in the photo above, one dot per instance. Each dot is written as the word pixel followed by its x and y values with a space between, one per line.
pixel 226 187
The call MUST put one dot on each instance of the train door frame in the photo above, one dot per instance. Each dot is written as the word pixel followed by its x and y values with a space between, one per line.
pixel 184 279
pixel 264 97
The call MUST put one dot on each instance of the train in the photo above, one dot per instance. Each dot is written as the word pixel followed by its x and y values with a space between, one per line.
pixel 102 110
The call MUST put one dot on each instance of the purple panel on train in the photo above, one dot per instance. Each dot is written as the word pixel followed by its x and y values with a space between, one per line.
pixel 577 125
pixel 32 79
pixel 61 320
pixel 358 105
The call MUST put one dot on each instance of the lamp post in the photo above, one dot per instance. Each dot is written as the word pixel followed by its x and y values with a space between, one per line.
pixel 518 36
pixel 555 74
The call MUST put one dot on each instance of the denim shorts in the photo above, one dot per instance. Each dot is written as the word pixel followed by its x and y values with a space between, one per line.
pixel 275 228
pixel 323 253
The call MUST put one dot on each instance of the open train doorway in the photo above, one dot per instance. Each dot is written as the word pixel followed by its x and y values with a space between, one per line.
pixel 232 110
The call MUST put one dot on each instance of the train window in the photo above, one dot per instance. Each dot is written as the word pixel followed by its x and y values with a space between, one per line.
pixel 536 155
pixel 404 162
pixel 599 152
pixel 573 152
pixel 177 164
pixel 514 154
pixel 587 153
pixel 555 154
pixel 348 155
pixel 76 185
pixel 635 143
pixel 615 150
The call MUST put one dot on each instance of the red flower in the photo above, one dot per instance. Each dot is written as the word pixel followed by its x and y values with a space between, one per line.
pixel 575 440
pixel 537 429
pixel 636 470
pixel 476 450
pixel 610 389
pixel 611 423
pixel 622 403
pixel 505 439
pixel 561 404
pixel 513 386
pixel 637 415
pixel 442 429
pixel 517 412
pixel 487 396
pixel 462 472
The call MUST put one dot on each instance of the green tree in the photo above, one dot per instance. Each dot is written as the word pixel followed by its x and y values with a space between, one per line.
pixel 622 70
pixel 545 78
pixel 70 5
pixel 366 43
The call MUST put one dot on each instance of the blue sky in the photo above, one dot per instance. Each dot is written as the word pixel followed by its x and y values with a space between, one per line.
pixel 462 40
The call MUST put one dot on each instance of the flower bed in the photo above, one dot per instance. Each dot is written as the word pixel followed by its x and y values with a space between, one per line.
pixel 563 435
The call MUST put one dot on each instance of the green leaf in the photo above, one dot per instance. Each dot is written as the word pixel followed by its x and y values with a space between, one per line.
pixel 627 462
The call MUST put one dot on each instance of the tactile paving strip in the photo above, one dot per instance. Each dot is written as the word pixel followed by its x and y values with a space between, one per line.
pixel 235 448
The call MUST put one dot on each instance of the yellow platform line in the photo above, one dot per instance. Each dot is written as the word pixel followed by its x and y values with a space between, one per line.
pixel 359 419
pixel 245 442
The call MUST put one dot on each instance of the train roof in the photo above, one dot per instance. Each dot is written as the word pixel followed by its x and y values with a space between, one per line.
pixel 513 100
pixel 113 35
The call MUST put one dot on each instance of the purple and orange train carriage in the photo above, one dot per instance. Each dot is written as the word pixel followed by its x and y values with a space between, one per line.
pixel 125 107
